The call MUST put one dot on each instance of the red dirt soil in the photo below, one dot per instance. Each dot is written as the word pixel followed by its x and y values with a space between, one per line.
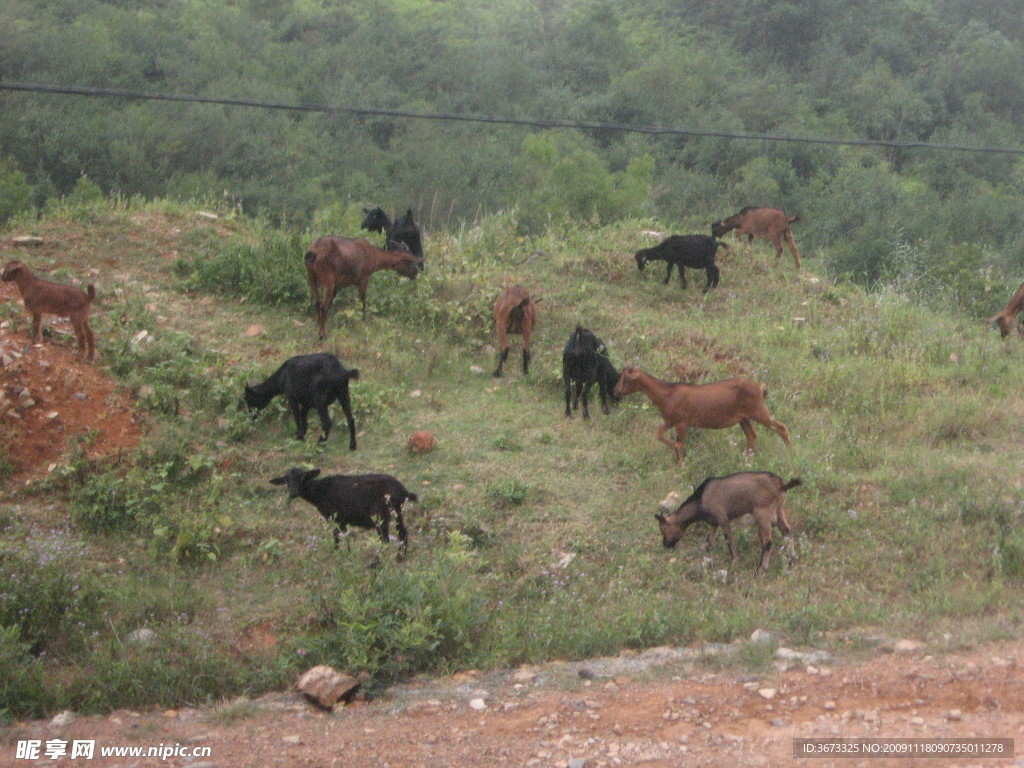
pixel 66 399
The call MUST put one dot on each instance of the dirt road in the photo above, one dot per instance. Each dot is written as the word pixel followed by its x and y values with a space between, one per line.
pixel 662 709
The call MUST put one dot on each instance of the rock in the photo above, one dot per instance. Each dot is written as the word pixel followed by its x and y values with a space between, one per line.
pixel 64 718
pixel 954 715
pixel 760 637
pixel 141 636
pixel 253 331
pixel 207 215
pixel 767 693
pixel 325 686
pixel 829 706
pixel 577 762
pixel 671 502
pixel 142 336
pixel 25 241
pixel 421 442
pixel 478 704
pixel 907 646
pixel 428 707
pixel 476 369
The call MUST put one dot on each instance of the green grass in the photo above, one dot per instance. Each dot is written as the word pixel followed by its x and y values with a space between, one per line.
pixel 534 538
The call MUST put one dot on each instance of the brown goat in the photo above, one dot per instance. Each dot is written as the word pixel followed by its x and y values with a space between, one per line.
pixel 515 311
pixel 43 297
pixel 340 262
pixel 769 223
pixel 1005 318
pixel 720 500
pixel 718 405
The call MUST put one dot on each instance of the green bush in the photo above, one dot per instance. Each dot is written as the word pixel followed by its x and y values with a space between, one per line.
pixel 270 271
pixel 392 621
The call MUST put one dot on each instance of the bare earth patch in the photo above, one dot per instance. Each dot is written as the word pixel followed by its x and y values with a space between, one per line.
pixel 50 399
pixel 659 709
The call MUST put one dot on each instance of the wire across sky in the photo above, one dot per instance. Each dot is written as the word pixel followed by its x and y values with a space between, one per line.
pixel 110 93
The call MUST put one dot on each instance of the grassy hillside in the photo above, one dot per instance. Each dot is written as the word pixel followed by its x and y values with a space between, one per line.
pixel 534 538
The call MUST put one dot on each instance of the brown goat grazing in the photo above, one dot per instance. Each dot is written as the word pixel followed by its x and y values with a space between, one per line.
pixel 515 311
pixel 1005 318
pixel 720 500
pixel 339 262
pixel 769 223
pixel 42 297
pixel 718 405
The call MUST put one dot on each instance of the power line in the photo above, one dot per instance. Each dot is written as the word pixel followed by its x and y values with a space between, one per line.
pixel 67 90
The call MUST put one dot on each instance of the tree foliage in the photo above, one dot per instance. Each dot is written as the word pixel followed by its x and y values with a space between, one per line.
pixel 910 70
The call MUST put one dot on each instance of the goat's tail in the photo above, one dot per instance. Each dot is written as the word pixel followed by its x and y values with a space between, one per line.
pixel 411 497
pixel 793 219
pixel 90 291
pixel 793 483
pixel 353 374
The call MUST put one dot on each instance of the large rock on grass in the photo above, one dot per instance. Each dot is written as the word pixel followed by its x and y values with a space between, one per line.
pixel 325 686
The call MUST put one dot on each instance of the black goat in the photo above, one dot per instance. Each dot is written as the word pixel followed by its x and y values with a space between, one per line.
pixel 693 251
pixel 585 362
pixel 362 501
pixel 308 381
pixel 403 232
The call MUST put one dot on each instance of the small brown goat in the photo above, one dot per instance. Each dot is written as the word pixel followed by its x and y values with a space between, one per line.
pixel 717 405
pixel 43 297
pixel 340 262
pixel 769 223
pixel 515 311
pixel 720 500
pixel 1005 318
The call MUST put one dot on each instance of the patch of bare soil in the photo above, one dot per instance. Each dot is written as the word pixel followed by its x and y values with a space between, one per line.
pixel 664 713
pixel 49 398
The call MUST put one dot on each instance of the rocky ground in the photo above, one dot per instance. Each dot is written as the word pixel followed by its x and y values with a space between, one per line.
pixel 663 708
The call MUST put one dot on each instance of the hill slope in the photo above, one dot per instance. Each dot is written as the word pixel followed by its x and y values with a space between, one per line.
pixel 534 538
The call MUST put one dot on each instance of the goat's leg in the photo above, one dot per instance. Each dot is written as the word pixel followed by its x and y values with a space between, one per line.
pixel 748 430
pixel 709 542
pixel 325 421
pixel 363 285
pixel 791 244
pixel 79 337
pixel 346 405
pixel 682 276
pixel 90 340
pixel 726 527
pixel 676 445
pixel 567 385
pixel 502 357
pixel 526 359
pixel 713 274
pixel 778 428
pixel 787 547
pixel 586 399
pixel 764 533
pixel 324 308
pixel 299 413
pixel 668 273
pixel 403 534
pixel 777 242
pixel 37 327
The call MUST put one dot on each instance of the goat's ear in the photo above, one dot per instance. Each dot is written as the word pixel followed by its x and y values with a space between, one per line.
pixel 312 473
pixel 277 481
pixel 659 517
